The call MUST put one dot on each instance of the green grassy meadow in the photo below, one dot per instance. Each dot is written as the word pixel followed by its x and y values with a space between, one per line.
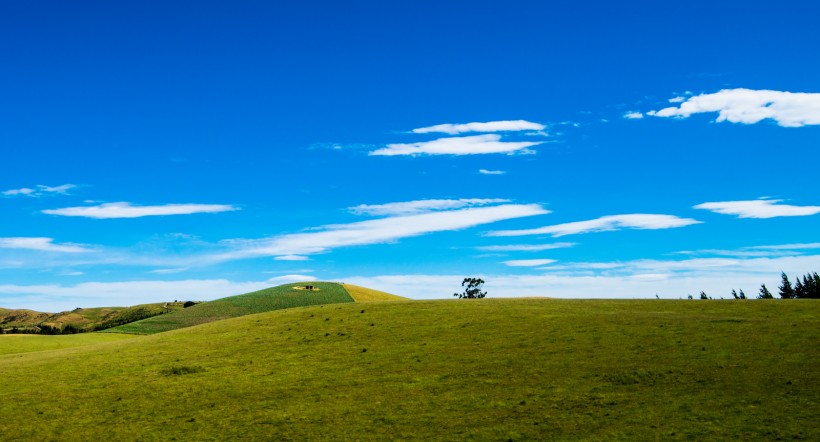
pixel 490 369
pixel 274 298
pixel 27 343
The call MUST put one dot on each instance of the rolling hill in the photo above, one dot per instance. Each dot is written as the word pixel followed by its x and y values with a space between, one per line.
pixel 274 298
pixel 491 369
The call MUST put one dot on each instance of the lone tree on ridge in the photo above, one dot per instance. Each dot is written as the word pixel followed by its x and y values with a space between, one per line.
pixel 472 288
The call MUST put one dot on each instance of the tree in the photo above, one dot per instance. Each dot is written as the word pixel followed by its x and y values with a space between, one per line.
pixel 472 288
pixel 811 284
pixel 742 295
pixel 764 293
pixel 734 294
pixel 799 290
pixel 703 295
pixel 786 290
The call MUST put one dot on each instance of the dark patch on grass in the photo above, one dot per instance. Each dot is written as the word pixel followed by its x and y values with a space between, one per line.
pixel 636 377
pixel 183 369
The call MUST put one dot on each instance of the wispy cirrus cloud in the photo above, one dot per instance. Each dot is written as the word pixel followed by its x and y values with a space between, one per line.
pixel 770 251
pixel 762 208
pixel 127 210
pixel 491 172
pixel 470 145
pixel 528 262
pixel 526 247
pixel 490 126
pixel 794 247
pixel 41 244
pixel 633 115
pixel 292 258
pixel 39 191
pixel 422 206
pixel 747 106
pixel 376 231
pixel 640 221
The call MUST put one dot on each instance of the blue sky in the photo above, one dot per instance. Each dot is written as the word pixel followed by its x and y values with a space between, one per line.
pixel 193 150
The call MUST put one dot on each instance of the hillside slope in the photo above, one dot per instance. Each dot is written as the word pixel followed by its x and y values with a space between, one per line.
pixel 274 298
pixel 525 369
pixel 364 294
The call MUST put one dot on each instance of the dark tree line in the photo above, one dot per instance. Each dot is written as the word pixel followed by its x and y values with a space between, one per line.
pixel 808 287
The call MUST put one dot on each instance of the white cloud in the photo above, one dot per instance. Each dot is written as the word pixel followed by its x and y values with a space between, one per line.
pixel 526 247
pixel 677 100
pixel 758 209
pixel 491 172
pixel 169 271
pixel 285 279
pixel 41 244
pixel 528 262
pixel 803 246
pixel 788 109
pixel 421 206
pixel 377 231
pixel 633 115
pixel 471 145
pixel 292 258
pixel 41 190
pixel 639 221
pixel 490 126
pixel 126 210
pixel 24 191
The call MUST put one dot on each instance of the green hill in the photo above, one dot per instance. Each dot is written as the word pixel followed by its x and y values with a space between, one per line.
pixel 491 369
pixel 274 298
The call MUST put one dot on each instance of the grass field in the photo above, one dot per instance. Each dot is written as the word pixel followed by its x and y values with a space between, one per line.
pixel 275 298
pixel 526 369
pixel 10 344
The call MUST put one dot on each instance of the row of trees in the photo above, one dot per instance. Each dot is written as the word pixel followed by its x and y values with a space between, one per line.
pixel 806 288
pixel 809 287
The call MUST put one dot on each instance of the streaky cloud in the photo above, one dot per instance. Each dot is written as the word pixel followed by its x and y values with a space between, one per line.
pixel 376 231
pixel 491 172
pixel 126 210
pixel 41 244
pixel 640 221
pixel 422 206
pixel 469 145
pixel 763 208
pixel 528 262
pixel 39 191
pixel 490 126
pixel 526 247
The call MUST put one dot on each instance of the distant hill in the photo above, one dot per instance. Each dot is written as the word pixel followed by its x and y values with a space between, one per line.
pixel 80 319
pixel 275 298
